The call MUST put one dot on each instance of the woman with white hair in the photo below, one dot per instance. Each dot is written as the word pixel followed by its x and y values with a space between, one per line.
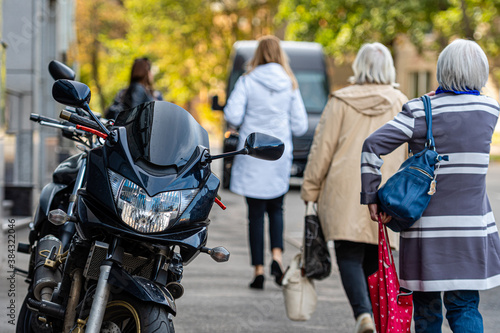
pixel 455 247
pixel 331 177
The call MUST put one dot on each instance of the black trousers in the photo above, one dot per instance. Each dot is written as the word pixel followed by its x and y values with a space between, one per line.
pixel 256 212
pixel 356 261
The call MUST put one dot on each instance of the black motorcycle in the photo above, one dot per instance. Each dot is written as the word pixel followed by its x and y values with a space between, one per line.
pixel 137 213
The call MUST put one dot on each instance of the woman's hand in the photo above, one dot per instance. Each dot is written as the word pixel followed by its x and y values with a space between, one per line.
pixel 385 218
pixel 373 208
pixel 375 214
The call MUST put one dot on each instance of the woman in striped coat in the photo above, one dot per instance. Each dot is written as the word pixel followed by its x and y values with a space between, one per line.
pixel 455 247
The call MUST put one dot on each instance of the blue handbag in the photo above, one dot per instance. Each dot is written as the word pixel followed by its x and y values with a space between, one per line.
pixel 407 193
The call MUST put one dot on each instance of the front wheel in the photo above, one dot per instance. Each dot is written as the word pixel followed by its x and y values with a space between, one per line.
pixel 27 321
pixel 130 315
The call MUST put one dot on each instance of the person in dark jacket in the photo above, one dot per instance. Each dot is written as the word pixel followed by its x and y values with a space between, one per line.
pixel 140 89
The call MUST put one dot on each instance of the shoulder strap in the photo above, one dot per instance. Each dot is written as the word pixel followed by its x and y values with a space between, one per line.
pixel 428 120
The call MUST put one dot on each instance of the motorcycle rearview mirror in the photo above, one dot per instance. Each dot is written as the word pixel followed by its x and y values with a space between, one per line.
pixel 76 94
pixel 58 71
pixel 72 93
pixel 263 146
pixel 259 145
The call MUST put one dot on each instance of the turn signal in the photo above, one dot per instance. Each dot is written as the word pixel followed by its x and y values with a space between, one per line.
pixel 58 217
pixel 219 253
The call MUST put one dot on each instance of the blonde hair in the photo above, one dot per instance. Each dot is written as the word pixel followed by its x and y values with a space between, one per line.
pixel 269 50
pixel 462 65
pixel 374 64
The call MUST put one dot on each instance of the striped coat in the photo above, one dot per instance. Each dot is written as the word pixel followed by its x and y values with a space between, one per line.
pixel 455 245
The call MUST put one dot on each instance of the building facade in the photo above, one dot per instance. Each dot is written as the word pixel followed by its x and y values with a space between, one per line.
pixel 35 32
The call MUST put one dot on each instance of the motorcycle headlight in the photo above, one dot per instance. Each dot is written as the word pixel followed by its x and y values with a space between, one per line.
pixel 144 213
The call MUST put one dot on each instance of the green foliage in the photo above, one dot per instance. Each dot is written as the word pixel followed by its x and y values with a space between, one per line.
pixel 342 26
pixel 189 43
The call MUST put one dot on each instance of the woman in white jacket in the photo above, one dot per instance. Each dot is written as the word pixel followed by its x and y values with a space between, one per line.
pixel 265 99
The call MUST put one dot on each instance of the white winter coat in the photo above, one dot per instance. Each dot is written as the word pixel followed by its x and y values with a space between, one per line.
pixel 264 101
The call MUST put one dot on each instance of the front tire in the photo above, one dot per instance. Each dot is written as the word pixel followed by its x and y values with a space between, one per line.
pixel 27 320
pixel 132 315
pixel 23 324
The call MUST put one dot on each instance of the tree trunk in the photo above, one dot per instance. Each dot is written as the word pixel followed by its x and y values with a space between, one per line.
pixel 468 31
pixel 94 55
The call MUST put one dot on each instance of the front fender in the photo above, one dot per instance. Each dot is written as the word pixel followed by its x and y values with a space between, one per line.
pixel 140 288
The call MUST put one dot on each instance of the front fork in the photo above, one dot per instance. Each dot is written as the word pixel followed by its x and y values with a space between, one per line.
pixel 68 229
pixel 103 288
pixel 100 299
pixel 150 292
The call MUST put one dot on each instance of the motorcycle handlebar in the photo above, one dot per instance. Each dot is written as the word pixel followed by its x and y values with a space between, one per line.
pixel 38 118
pixel 54 123
pixel 76 119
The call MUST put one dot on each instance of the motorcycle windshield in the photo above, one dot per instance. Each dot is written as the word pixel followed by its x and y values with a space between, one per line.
pixel 162 133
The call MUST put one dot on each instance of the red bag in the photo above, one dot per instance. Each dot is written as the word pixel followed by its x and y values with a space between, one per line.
pixel 392 305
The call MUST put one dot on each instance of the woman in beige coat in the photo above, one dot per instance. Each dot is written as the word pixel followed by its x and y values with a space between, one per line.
pixel 332 179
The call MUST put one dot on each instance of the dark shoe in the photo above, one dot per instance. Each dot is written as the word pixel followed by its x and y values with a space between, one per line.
pixel 258 282
pixel 276 272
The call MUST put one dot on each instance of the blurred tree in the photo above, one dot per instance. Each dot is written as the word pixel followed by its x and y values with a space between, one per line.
pixel 94 19
pixel 189 43
pixel 342 26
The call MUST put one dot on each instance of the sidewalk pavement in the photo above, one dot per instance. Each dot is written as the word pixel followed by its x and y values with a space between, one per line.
pixel 217 297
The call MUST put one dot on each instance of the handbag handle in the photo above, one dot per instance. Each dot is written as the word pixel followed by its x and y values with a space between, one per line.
pixel 311 208
pixel 428 120
pixel 384 252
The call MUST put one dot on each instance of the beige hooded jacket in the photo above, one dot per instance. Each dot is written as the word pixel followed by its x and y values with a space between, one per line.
pixel 332 177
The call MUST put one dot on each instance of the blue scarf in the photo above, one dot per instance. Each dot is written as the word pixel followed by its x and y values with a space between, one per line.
pixel 457 92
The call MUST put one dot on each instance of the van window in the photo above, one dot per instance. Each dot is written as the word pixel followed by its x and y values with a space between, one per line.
pixel 314 90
